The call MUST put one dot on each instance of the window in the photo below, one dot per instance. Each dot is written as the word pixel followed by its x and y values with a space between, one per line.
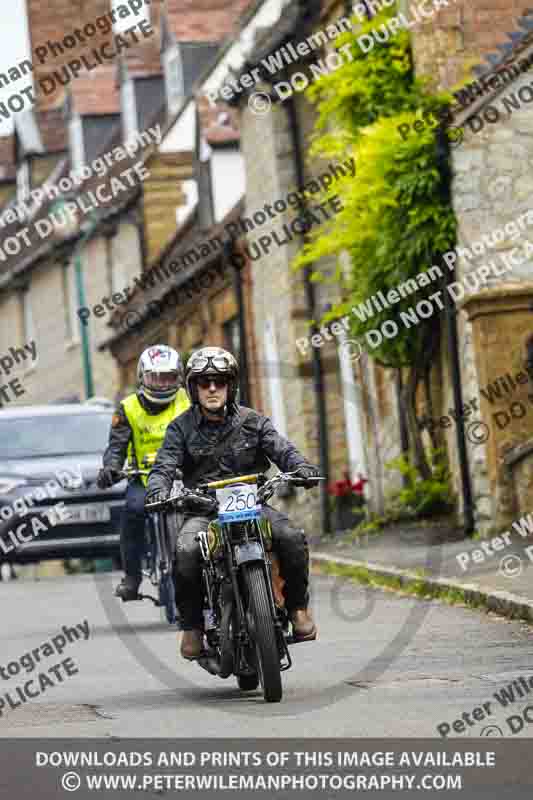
pixel 28 327
pixel 129 110
pixel 54 435
pixel 77 149
pixel 173 69
pixel 205 184
pixel 23 182
pixel 232 339
pixel 122 23
pixel 116 276
pixel 274 377
pixel 27 324
pixel 72 333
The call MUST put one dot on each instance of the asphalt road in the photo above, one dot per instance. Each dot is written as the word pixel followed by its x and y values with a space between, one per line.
pixel 384 665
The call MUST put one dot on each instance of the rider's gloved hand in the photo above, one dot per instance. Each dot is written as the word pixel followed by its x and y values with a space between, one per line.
pixel 307 471
pixel 107 477
pixel 156 496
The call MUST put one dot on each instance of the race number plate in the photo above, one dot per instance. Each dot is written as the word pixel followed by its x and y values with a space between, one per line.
pixel 237 503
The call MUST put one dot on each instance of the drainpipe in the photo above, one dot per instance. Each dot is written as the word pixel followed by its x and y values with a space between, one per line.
pixel 318 381
pixel 450 313
pixel 93 222
pixel 404 435
pixel 84 332
pixel 243 356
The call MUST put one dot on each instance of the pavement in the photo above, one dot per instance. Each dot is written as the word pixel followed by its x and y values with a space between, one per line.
pixel 495 572
pixel 384 665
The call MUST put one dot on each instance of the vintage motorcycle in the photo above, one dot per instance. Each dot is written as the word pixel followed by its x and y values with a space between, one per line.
pixel 246 632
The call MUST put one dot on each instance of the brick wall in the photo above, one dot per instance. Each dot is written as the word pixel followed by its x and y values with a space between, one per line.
pixel 201 20
pixel 447 45
pixel 205 20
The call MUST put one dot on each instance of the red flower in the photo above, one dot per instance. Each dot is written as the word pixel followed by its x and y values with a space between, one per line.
pixel 345 487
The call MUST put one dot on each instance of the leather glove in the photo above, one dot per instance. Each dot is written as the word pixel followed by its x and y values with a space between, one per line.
pixel 156 496
pixel 107 477
pixel 307 471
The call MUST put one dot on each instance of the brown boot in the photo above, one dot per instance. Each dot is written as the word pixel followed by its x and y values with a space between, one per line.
pixel 303 627
pixel 191 644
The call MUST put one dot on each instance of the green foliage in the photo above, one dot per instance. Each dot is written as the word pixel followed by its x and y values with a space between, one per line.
pixel 423 498
pixel 395 218
pixel 369 86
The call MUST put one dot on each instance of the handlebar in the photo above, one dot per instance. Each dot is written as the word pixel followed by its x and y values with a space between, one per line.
pixel 201 499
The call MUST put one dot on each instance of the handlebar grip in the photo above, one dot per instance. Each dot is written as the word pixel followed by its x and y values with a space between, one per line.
pixel 306 482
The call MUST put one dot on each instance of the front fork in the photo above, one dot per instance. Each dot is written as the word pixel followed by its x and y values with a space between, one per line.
pixel 284 655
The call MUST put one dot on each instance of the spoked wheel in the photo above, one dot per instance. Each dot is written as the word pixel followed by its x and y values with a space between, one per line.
pixel 263 634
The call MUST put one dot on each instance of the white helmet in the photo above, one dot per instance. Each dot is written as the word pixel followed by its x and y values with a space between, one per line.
pixel 160 374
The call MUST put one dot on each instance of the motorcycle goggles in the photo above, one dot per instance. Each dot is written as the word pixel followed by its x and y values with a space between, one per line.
pixel 161 380
pixel 217 363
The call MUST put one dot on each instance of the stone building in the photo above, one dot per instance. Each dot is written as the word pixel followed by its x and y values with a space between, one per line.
pixel 311 398
pixel 490 189
pixel 230 147
pixel 490 44
pixel 84 121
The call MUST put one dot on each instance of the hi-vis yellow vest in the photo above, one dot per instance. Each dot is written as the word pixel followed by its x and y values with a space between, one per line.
pixel 149 429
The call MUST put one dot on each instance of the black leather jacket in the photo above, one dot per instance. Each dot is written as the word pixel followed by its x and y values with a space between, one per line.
pixel 190 438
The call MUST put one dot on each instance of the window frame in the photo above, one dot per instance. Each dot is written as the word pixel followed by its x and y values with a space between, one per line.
pixel 130 118
pixel 27 324
pixel 23 181
pixel 175 93
pixel 122 25
pixel 77 144
pixel 68 283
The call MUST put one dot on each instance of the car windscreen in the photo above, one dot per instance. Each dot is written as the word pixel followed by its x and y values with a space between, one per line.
pixel 71 434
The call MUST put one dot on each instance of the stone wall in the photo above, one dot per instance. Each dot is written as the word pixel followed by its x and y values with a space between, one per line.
pixel 492 191
pixel 279 299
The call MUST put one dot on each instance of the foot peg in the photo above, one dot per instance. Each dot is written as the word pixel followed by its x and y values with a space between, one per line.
pixel 297 639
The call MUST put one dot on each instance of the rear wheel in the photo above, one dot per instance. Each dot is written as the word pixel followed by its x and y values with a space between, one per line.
pixel 263 634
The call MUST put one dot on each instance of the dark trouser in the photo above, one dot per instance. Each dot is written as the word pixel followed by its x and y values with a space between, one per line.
pixel 132 530
pixel 288 542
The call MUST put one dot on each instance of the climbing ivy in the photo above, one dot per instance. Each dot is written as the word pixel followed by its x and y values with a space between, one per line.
pixel 396 218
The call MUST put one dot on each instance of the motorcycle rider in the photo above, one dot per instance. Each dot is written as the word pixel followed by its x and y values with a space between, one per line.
pixel 211 380
pixel 137 431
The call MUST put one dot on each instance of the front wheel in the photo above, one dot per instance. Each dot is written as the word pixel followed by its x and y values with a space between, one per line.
pixel 263 633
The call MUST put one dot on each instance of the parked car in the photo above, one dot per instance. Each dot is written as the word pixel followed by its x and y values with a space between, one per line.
pixel 49 455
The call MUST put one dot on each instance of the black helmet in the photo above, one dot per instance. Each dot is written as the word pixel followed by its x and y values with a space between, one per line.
pixel 211 361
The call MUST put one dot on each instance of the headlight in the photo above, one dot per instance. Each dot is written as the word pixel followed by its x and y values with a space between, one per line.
pixel 8 484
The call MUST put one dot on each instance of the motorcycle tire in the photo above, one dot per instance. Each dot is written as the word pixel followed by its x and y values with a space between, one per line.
pixel 248 683
pixel 264 634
